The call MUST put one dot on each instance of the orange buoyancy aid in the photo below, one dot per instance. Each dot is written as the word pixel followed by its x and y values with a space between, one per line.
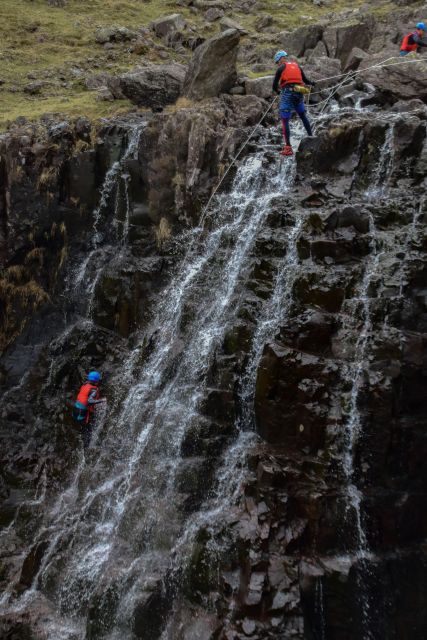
pixel 405 46
pixel 84 393
pixel 291 74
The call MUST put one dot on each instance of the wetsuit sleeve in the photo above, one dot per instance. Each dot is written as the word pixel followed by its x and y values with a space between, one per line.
pixel 276 88
pixel 416 39
pixel 92 398
pixel 306 80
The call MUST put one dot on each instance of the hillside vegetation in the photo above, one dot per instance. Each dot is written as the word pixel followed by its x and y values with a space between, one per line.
pixel 55 48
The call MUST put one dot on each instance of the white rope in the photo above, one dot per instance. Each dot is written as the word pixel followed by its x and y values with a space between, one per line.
pixel 374 66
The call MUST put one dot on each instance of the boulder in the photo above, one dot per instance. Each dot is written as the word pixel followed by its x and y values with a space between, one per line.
pixel 297 42
pixel 104 95
pixel 397 81
pixel 154 86
pixel 355 58
pixel 213 13
pixel 227 23
pixel 320 68
pixel 212 69
pixel 113 34
pixel 166 25
pixel 34 88
pixel 319 51
pixel 340 40
pixel 261 87
pixel 264 22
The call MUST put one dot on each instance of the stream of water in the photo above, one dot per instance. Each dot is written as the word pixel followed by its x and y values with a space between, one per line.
pixel 115 526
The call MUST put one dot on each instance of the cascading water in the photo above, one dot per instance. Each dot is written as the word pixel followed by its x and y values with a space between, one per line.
pixel 76 282
pixel 360 324
pixel 107 539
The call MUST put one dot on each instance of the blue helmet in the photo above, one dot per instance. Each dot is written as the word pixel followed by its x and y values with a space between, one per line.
pixel 421 25
pixel 94 376
pixel 280 54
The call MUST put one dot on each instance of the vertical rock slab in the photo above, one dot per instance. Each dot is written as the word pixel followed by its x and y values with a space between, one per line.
pixel 212 69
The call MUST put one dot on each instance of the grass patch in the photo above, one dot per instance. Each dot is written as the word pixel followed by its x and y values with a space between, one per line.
pixel 13 106
pixel 57 46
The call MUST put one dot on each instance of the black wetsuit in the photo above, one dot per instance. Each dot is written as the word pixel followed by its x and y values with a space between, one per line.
pixel 416 39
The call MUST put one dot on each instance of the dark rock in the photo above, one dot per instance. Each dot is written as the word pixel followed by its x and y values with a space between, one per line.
pixel 340 40
pixel 227 23
pixel 355 58
pixel 34 88
pixel 167 25
pixel 299 41
pixel 213 14
pixel 212 69
pixel 113 34
pixel 261 87
pixel 154 86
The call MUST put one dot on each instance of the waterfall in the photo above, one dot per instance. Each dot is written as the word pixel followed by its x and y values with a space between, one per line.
pixel 360 324
pixel 114 527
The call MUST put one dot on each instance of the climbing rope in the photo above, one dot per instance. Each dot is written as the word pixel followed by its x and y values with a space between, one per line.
pixel 349 75
pixel 233 160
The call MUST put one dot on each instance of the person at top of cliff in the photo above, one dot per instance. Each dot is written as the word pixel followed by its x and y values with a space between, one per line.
pixel 413 40
pixel 84 406
pixel 290 82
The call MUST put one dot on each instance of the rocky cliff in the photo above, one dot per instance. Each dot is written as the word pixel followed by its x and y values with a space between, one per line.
pixel 257 472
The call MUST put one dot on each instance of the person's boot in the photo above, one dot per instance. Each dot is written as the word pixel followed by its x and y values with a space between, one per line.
pixel 287 150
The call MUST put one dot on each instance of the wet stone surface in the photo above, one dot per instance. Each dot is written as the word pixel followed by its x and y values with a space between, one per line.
pixel 259 470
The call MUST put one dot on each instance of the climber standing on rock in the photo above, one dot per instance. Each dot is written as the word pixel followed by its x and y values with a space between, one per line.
pixel 84 407
pixel 291 83
pixel 413 41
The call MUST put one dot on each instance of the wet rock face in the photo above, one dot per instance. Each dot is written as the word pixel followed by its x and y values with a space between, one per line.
pixel 327 519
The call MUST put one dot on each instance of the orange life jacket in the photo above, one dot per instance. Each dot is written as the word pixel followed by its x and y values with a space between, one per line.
pixel 405 46
pixel 84 393
pixel 291 74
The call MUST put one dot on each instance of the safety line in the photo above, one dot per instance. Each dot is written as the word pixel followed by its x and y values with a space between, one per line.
pixel 233 160
pixel 378 65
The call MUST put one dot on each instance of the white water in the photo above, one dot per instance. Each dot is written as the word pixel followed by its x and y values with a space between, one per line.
pixel 120 518
pixel 360 324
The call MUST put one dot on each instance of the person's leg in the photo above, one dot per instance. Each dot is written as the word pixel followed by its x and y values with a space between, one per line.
pixel 286 130
pixel 300 109
pixel 403 53
pixel 306 123
pixel 285 110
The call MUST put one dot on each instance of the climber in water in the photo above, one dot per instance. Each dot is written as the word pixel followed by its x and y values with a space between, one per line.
pixel 413 41
pixel 84 407
pixel 290 81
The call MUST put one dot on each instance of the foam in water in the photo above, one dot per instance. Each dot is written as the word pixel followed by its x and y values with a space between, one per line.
pixel 121 511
